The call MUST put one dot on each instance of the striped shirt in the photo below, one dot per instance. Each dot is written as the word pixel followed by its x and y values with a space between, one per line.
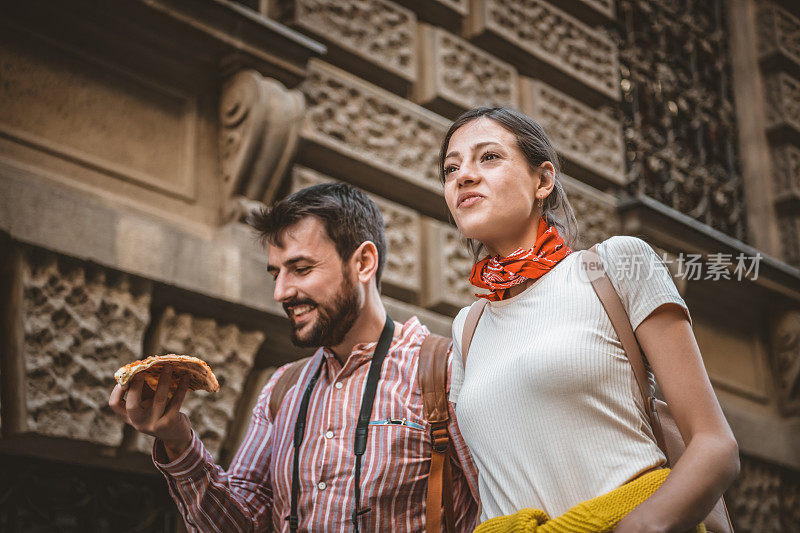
pixel 255 493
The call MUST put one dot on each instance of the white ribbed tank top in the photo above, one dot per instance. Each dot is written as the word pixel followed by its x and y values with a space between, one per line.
pixel 549 405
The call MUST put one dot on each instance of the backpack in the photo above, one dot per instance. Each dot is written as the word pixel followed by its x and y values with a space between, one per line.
pixel 432 377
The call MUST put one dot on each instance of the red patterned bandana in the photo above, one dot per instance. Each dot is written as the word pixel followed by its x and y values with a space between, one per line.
pixel 501 273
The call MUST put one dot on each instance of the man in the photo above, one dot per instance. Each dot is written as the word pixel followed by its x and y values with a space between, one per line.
pixel 326 252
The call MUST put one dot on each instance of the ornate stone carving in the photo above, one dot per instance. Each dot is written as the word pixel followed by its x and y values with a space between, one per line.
pixel 378 31
pixel 789 229
pixel 785 340
pixel 588 138
pixel 678 113
pixel 373 127
pixel 81 323
pixel 401 275
pixel 552 38
pixel 457 75
pixel 764 498
pixel 786 172
pixel 596 212
pixel 447 267
pixel 229 351
pixel 259 125
pixel 778 32
pixel 783 101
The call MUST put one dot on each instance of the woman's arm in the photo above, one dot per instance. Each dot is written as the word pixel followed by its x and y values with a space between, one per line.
pixel 711 460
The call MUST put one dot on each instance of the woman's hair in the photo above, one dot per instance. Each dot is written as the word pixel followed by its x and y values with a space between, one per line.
pixel 537 148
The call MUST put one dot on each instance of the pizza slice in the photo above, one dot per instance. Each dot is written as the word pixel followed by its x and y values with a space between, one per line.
pixel 199 373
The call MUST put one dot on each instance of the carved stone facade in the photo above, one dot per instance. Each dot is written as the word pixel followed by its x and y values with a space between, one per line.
pixel 783 102
pixel 228 350
pixel 380 132
pixel 378 31
pixel 764 498
pixel 456 75
pixel 678 110
pixel 785 341
pixel 552 39
pixel 778 32
pixel 447 268
pixel 81 322
pixel 586 138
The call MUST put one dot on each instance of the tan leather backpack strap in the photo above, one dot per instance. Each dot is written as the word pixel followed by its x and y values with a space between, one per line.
pixel 432 377
pixel 284 383
pixel 473 316
pixel 612 303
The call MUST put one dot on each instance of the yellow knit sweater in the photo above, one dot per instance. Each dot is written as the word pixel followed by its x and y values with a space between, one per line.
pixel 599 514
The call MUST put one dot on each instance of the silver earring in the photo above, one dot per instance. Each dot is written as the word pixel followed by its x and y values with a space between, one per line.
pixel 541 202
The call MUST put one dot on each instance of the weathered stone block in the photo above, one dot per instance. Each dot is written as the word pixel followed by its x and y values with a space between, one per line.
pixel 782 93
pixel 455 75
pixel 228 350
pixel 544 41
pixel 447 267
pixel 81 324
pixel 401 275
pixel 375 39
pixel 361 134
pixel 588 10
pixel 590 141
pixel 778 33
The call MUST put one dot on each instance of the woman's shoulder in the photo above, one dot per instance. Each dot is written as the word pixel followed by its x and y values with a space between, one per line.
pixel 623 245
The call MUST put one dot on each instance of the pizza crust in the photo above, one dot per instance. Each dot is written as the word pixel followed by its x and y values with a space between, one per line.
pixel 198 372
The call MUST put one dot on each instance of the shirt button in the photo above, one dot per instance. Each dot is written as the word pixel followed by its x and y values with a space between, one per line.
pixel 338 385
pixel 321 485
pixel 329 435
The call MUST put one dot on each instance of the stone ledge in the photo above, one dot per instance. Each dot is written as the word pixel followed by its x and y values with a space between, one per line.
pixel 782 99
pixel 456 75
pixel 449 14
pixel 111 234
pixel 544 42
pixel 591 12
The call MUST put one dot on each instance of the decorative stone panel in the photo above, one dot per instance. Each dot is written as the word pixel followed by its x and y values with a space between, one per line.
pixel 552 43
pixel 447 267
pixel 783 103
pixel 228 350
pixel 586 138
pixel 81 323
pixel 786 173
pixel 401 274
pixel 778 32
pixel 789 230
pixel 378 32
pixel 455 75
pixel 359 133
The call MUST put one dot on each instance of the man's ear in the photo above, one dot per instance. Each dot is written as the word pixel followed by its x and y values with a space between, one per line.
pixel 365 261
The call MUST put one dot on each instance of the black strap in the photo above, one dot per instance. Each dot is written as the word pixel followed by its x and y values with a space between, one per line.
pixel 299 432
pixel 367 401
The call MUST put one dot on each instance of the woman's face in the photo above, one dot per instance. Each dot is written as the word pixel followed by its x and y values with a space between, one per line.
pixel 489 186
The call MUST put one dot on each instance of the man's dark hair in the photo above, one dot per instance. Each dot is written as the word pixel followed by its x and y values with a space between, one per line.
pixel 349 217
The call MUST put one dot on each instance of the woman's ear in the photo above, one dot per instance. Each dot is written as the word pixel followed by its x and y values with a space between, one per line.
pixel 366 261
pixel 547 179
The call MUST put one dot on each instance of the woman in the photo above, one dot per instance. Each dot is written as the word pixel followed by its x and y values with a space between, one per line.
pixel 548 403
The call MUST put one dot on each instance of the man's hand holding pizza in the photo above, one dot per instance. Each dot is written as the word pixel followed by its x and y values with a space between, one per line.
pixel 158 413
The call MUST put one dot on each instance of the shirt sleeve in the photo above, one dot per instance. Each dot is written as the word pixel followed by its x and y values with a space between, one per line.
pixel 465 473
pixel 211 499
pixel 639 276
pixel 456 364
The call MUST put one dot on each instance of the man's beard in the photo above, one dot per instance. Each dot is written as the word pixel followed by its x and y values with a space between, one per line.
pixel 334 318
